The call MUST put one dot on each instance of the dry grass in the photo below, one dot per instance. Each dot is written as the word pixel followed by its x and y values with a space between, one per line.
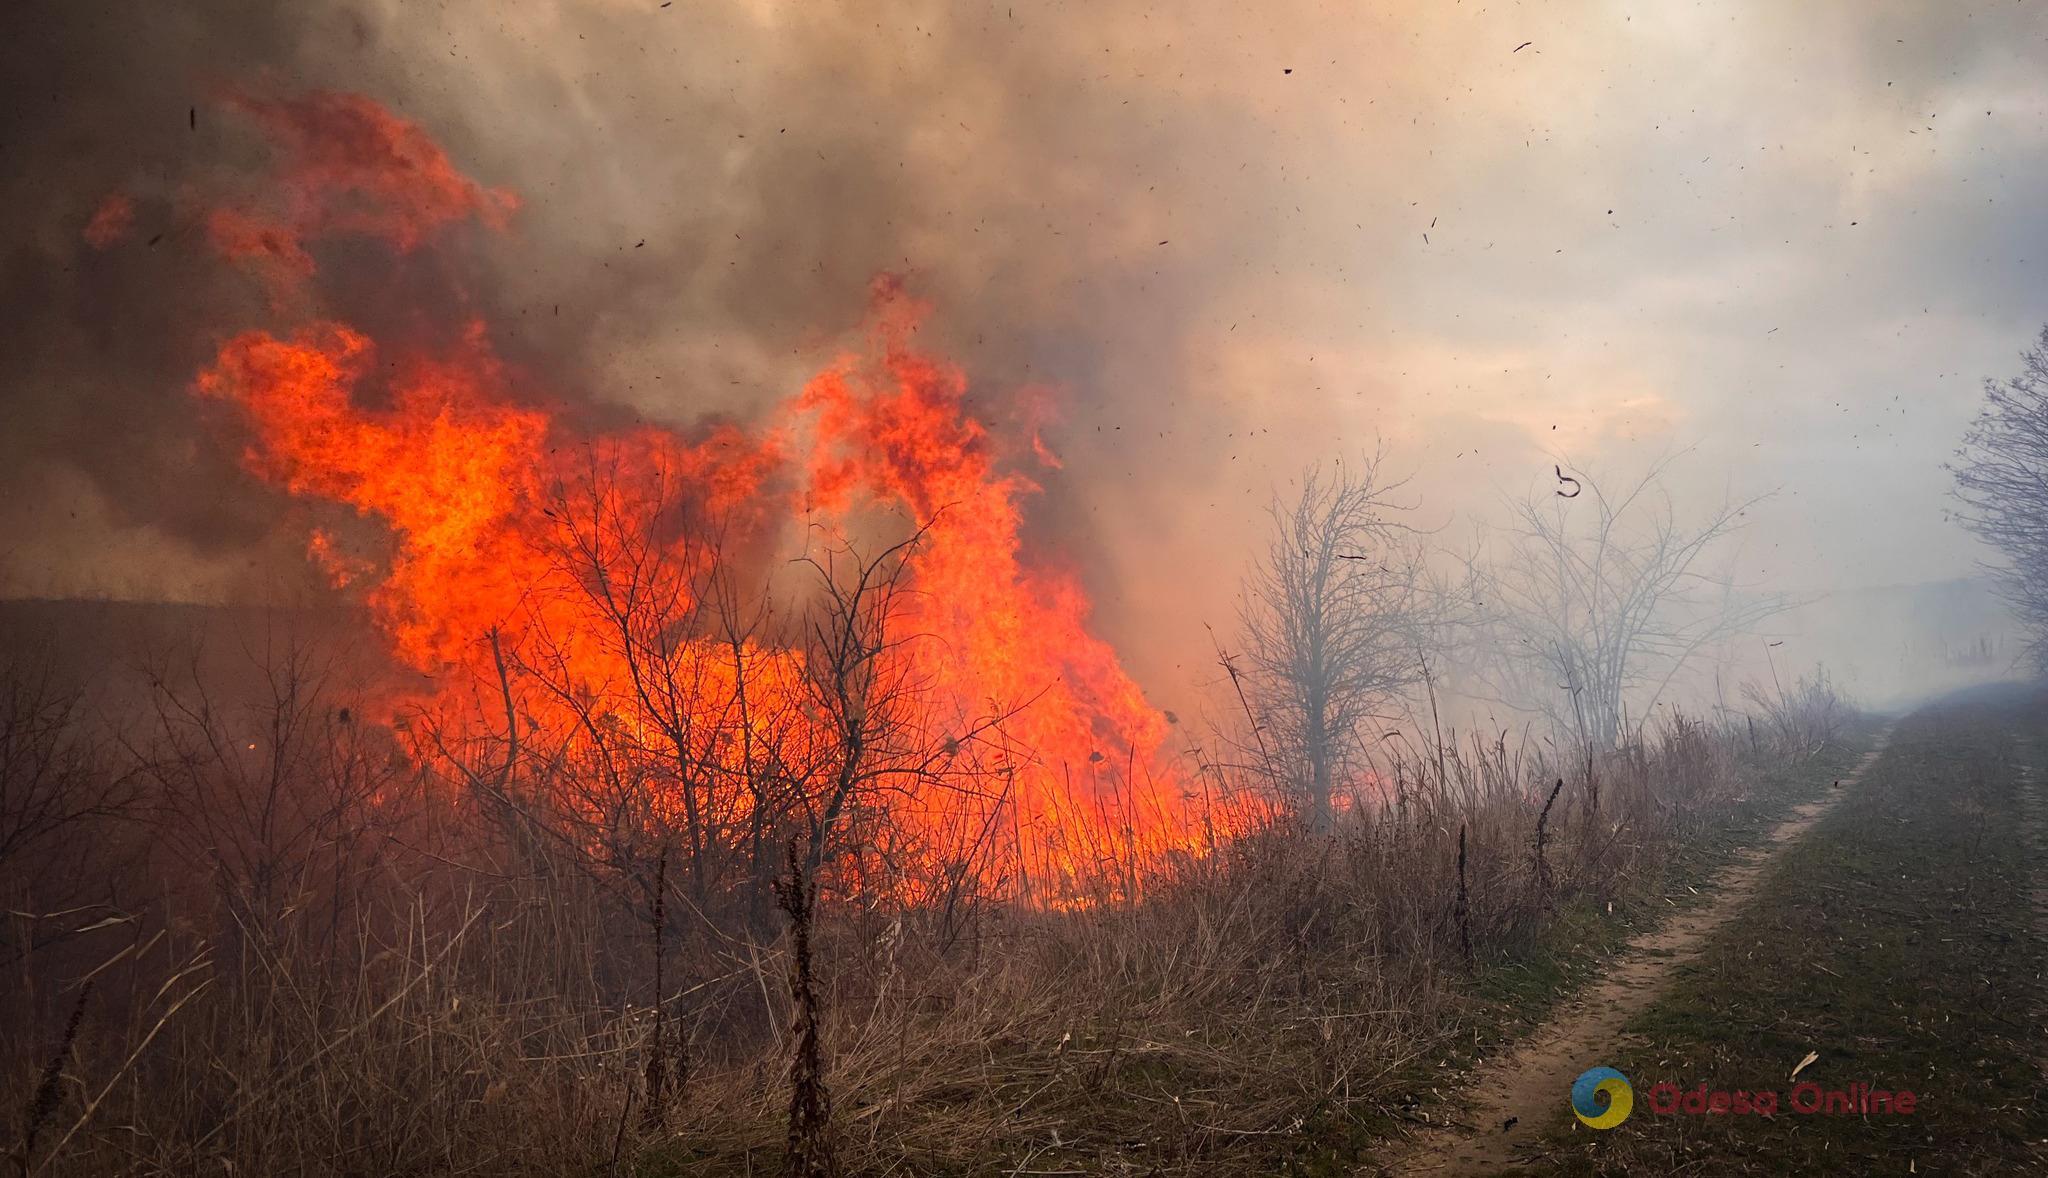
pixel 325 961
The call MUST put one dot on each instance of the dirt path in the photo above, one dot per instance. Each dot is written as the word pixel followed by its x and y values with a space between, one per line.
pixel 1525 1088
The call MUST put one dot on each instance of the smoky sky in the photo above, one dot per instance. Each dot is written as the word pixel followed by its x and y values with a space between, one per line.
pixel 1230 239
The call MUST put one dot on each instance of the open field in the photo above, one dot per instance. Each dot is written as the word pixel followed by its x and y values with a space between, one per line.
pixel 1900 942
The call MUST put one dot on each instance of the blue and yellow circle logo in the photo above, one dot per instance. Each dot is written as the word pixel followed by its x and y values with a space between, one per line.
pixel 1602 1098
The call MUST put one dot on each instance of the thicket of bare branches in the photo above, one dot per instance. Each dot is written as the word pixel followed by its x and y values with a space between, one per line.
pixel 2001 476
pixel 58 777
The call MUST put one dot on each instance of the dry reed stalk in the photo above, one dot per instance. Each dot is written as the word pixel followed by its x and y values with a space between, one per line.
pixel 1463 907
pixel 1542 825
pixel 44 1104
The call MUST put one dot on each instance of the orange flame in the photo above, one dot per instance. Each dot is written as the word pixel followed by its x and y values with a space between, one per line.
pixel 1007 631
pixel 509 530
pixel 352 168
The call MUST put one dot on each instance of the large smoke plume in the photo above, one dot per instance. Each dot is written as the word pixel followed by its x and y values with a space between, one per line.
pixel 1226 242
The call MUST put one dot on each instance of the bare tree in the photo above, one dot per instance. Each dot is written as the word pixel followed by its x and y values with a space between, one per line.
pixel 864 694
pixel 1594 602
pixel 1332 616
pixel 662 742
pixel 882 740
pixel 2002 479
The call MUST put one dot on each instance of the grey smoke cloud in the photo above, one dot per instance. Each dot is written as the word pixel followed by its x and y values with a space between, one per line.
pixel 1234 239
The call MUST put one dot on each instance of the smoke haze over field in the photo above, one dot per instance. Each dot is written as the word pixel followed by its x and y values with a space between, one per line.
pixel 1228 240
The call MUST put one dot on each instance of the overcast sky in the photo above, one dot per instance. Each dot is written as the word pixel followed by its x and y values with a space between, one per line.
pixel 1233 238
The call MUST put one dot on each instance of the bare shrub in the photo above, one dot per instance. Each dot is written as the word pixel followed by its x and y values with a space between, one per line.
pixel 1998 479
pixel 61 785
pixel 1597 600
pixel 1334 615
pixel 1804 715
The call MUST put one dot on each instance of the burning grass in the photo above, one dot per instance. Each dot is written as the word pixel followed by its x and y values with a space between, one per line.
pixel 341 964
pixel 826 617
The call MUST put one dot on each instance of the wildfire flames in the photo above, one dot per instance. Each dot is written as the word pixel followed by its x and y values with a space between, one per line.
pixel 589 591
